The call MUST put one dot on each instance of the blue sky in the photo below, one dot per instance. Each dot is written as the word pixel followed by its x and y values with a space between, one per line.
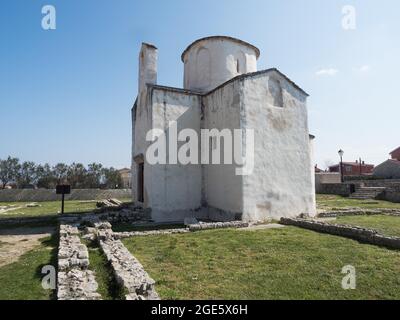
pixel 66 94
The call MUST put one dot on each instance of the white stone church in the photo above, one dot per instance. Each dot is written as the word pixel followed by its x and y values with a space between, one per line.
pixel 222 89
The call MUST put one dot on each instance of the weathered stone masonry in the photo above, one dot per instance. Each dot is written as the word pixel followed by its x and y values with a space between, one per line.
pixel 75 281
pixel 361 234
pixel 128 271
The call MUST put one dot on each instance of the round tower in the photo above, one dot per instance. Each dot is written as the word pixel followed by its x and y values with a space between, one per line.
pixel 214 60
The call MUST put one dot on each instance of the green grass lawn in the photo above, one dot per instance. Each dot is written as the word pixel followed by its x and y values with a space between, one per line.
pixel 22 279
pixel 48 208
pixel 104 274
pixel 388 225
pixel 338 202
pixel 289 263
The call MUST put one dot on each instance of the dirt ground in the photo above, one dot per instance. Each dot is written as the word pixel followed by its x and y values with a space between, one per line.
pixel 17 241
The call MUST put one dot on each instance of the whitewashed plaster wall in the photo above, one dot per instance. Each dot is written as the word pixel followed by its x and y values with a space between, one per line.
pixel 175 188
pixel 281 184
pixel 142 112
pixel 142 115
pixel 222 187
pixel 312 171
pixel 209 63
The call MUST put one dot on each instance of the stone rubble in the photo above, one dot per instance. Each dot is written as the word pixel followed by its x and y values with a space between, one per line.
pixel 357 233
pixel 75 281
pixel 109 203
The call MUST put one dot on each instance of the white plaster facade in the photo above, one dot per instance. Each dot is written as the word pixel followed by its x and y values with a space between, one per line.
pixel 224 90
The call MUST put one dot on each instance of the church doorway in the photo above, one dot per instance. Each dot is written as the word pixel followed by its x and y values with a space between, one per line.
pixel 140 178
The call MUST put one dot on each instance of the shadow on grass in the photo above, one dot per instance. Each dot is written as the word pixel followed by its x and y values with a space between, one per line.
pixel 108 286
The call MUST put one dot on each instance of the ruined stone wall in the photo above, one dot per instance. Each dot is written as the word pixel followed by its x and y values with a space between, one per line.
pixel 74 280
pixel 361 234
pixel 128 271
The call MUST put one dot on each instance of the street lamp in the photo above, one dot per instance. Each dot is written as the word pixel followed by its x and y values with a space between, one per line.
pixel 341 153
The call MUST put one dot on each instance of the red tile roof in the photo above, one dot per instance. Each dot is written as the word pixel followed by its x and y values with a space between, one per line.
pixel 352 163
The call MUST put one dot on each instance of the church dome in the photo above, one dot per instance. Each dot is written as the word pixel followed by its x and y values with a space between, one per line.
pixel 211 61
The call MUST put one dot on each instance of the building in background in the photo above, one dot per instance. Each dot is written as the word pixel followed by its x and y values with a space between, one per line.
pixel 390 169
pixel 317 170
pixel 126 178
pixel 357 168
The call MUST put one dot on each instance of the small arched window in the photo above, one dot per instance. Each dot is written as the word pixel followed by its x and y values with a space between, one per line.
pixel 237 66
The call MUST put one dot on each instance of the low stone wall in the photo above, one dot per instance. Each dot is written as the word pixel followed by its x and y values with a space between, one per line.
pixel 128 214
pixel 28 220
pixel 340 189
pixel 128 271
pixel 361 234
pixel 326 178
pixel 392 194
pixel 359 212
pixel 217 225
pixel 37 195
pixel 123 235
pixel 383 183
pixel 75 281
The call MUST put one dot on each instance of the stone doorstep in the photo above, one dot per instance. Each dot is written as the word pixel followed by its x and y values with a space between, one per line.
pixel 354 232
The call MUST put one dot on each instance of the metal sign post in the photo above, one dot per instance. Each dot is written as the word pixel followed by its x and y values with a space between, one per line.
pixel 63 189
